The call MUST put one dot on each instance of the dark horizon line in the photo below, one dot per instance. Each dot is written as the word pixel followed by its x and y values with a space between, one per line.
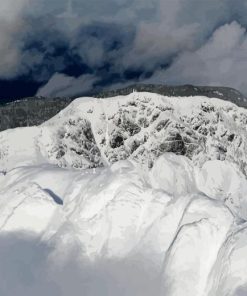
pixel 104 91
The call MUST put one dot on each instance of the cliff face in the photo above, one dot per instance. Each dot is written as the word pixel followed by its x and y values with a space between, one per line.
pixel 34 111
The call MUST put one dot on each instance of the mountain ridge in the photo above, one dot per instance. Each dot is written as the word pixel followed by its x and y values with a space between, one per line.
pixel 36 110
pixel 140 126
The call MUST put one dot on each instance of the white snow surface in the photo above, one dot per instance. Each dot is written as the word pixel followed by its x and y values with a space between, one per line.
pixel 81 214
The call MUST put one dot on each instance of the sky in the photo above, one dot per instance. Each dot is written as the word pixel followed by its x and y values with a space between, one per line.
pixel 71 47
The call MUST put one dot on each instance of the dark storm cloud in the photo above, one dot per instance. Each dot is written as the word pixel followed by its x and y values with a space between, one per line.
pixel 222 60
pixel 74 46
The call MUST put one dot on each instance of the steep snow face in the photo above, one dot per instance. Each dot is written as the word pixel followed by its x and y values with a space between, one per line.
pixel 141 126
pixel 157 205
pixel 121 230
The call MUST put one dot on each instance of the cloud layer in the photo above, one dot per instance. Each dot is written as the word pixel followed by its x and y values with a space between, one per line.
pixel 75 46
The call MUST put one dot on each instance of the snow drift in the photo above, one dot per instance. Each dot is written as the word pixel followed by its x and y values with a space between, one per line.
pixel 166 218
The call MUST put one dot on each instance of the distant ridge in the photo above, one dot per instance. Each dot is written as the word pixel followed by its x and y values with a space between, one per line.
pixel 224 93
pixel 36 110
pixel 30 111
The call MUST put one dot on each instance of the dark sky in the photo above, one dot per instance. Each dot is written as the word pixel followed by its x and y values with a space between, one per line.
pixel 65 48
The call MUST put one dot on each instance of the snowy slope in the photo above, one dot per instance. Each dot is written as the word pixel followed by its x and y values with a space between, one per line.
pixel 133 222
pixel 158 233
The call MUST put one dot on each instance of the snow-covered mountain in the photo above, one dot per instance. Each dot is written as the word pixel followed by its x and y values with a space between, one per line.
pixel 141 126
pixel 36 110
pixel 133 195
